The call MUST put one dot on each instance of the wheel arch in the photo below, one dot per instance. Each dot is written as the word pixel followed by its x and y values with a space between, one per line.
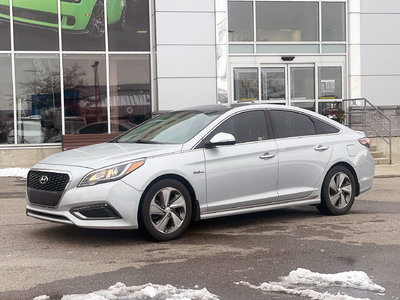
pixel 351 169
pixel 195 203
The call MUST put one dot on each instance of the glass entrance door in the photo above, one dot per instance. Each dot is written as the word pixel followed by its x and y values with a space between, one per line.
pixel 309 85
pixel 302 86
pixel 273 84
pixel 289 84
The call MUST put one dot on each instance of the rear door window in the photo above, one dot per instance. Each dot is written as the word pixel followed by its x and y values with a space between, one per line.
pixel 290 124
pixel 323 127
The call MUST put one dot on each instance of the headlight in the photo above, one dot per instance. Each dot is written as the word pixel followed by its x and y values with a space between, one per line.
pixel 111 173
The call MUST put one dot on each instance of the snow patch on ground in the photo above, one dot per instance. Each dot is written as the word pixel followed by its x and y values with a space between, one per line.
pixel 290 284
pixel 353 279
pixel 143 292
pixel 14 172
pixel 43 297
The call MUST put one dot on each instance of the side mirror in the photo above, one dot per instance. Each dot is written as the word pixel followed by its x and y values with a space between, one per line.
pixel 221 139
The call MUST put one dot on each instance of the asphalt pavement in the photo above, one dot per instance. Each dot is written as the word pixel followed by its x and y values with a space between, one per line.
pixel 40 258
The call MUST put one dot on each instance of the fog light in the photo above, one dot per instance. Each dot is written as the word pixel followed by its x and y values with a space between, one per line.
pixel 95 212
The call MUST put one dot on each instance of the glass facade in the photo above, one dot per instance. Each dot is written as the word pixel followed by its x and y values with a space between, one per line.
pixel 289 52
pixel 72 67
pixel 264 26
pixel 240 21
pixel 287 21
pixel 6 100
pixel 333 21
pixel 38 98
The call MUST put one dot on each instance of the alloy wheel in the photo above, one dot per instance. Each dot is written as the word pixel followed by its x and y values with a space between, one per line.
pixel 340 190
pixel 167 210
pixel 97 23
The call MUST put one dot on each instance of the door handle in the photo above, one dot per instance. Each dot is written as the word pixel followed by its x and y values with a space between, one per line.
pixel 321 148
pixel 267 156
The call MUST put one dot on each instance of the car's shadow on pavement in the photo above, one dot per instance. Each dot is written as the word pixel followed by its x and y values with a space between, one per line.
pixel 273 220
pixel 69 234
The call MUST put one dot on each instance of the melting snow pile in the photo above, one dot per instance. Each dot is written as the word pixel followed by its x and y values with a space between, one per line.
pixel 147 291
pixel 14 172
pixel 290 284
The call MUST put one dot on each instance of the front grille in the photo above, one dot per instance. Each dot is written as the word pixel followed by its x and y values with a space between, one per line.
pixel 35 15
pixel 46 188
pixel 55 181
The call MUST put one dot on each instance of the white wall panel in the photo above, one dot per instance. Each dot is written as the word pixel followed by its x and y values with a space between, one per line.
pixel 354 6
pixel 185 28
pixel 380 60
pixel 380 28
pixel 178 93
pixel 185 5
pixel 379 6
pixel 381 90
pixel 355 87
pixel 186 61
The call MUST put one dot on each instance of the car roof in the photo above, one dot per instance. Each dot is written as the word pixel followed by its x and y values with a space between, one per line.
pixel 241 106
pixel 245 106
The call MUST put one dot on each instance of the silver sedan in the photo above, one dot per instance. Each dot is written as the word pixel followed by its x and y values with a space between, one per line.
pixel 201 163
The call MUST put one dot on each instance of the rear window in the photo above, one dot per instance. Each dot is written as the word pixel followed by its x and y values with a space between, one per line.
pixel 324 128
pixel 289 124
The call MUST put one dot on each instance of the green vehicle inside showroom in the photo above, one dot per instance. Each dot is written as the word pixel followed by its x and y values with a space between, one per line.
pixel 77 16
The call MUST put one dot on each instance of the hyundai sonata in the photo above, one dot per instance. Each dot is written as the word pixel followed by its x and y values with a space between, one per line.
pixel 201 163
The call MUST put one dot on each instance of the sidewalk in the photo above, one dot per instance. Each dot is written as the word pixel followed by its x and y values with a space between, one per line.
pixel 387 171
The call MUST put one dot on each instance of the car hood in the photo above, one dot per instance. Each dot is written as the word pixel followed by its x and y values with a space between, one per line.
pixel 106 154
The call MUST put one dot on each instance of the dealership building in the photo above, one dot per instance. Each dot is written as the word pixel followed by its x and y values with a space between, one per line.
pixel 94 66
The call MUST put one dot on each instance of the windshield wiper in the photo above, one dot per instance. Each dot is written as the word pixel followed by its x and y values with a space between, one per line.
pixel 146 142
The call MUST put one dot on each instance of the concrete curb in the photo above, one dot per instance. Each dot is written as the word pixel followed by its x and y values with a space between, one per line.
pixel 387 176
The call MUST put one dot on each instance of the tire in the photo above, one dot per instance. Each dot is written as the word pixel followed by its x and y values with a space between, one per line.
pixel 96 26
pixel 165 211
pixel 121 24
pixel 338 191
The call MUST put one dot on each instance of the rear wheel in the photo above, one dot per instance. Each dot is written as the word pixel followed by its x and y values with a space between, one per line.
pixel 165 211
pixel 338 191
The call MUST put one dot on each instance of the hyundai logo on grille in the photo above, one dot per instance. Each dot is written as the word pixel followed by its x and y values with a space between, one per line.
pixel 44 179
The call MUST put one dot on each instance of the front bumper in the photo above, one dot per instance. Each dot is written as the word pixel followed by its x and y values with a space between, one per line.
pixel 116 196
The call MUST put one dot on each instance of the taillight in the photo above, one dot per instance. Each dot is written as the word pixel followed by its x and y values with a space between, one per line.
pixel 365 142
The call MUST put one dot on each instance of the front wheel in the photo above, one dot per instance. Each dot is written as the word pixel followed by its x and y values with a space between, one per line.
pixel 121 24
pixel 96 26
pixel 338 191
pixel 165 211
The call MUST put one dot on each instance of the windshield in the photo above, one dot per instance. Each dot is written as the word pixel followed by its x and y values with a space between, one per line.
pixel 176 127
